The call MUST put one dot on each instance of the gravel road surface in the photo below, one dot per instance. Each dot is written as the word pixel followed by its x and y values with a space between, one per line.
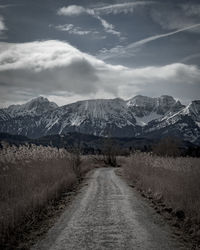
pixel 108 214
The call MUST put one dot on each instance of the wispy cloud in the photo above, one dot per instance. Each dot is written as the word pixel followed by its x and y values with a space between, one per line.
pixel 152 38
pixel 71 29
pixel 2 26
pixel 190 57
pixel 122 7
pixel 191 9
pixel 109 28
pixel 3 6
pixel 176 16
pixel 121 51
pixel 75 10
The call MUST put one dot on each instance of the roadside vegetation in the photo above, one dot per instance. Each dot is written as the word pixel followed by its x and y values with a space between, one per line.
pixel 171 182
pixel 31 177
pixel 110 152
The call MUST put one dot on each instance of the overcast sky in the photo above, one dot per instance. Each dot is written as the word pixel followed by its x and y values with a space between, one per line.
pixel 69 50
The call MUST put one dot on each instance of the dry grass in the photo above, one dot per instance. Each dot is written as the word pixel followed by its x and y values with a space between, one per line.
pixel 174 180
pixel 30 178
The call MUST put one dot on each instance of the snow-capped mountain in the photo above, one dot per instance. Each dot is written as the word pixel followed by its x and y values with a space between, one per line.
pixel 184 124
pixel 140 116
pixel 35 107
pixel 97 117
pixel 146 109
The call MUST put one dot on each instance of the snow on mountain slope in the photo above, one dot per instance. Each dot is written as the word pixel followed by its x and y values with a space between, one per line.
pixel 143 121
pixel 142 102
pixel 36 106
pixel 140 116
pixel 143 105
pixel 147 109
pixel 4 116
pixel 98 117
pixel 193 110
pixel 183 124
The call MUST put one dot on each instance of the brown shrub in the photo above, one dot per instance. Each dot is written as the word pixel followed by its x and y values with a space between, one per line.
pixel 30 178
pixel 175 180
pixel 110 152
pixel 168 146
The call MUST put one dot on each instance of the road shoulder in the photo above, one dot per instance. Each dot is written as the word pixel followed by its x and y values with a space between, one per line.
pixel 34 232
pixel 161 210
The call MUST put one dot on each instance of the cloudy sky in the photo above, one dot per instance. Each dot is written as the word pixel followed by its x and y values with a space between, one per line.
pixel 69 50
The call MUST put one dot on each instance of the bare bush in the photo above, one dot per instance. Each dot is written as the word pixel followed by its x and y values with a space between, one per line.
pixel 75 162
pixel 110 152
pixel 175 180
pixel 30 178
pixel 121 160
pixel 168 146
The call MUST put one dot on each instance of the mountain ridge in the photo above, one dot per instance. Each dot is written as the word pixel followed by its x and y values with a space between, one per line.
pixel 136 117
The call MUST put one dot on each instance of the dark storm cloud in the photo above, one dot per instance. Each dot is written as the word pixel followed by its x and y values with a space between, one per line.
pixel 47 48
pixel 52 67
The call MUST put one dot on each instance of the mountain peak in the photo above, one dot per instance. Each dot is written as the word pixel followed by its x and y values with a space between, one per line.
pixel 166 100
pixel 36 106
pixel 166 97
pixel 144 105
pixel 141 101
pixel 40 105
pixel 139 116
pixel 39 99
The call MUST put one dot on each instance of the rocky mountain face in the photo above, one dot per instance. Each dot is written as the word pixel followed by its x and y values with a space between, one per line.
pixel 140 116
pixel 35 107
pixel 183 124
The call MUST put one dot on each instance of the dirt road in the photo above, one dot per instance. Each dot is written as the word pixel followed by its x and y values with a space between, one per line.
pixel 108 214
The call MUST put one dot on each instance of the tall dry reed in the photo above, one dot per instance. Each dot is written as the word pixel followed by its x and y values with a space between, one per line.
pixel 30 178
pixel 175 180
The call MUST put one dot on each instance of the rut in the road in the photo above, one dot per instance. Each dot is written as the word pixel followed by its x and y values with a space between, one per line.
pixel 107 214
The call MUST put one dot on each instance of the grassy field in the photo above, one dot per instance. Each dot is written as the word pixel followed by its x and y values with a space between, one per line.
pixel 31 177
pixel 173 181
